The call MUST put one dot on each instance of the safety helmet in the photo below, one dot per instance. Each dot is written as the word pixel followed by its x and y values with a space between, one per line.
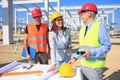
pixel 88 7
pixel 66 70
pixel 36 12
pixel 54 16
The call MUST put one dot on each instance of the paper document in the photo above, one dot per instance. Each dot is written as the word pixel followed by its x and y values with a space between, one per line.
pixel 9 67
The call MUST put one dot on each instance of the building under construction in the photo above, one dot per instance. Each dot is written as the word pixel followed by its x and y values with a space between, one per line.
pixel 17 13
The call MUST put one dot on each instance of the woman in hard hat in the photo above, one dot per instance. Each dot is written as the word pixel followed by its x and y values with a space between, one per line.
pixel 59 40
pixel 36 38
pixel 94 41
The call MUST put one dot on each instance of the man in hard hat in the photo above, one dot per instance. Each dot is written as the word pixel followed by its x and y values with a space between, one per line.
pixel 94 41
pixel 36 37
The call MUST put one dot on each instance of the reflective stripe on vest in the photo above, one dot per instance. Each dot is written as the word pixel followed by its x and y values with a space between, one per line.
pixel 37 39
pixel 91 39
pixel 96 59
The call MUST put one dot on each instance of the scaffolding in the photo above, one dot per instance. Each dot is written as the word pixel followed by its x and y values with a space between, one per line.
pixel 10 23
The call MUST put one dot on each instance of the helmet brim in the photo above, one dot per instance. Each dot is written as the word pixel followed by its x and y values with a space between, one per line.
pixel 37 15
pixel 79 12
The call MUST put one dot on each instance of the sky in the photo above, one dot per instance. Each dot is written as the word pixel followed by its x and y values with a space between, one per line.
pixel 81 2
pixel 97 2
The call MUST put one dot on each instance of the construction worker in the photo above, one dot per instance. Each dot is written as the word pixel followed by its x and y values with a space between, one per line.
pixel 94 42
pixel 59 40
pixel 37 37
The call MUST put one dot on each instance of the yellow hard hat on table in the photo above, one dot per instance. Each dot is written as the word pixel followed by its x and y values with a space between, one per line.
pixel 66 70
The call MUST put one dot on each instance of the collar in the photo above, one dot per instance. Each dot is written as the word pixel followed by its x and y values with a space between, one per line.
pixel 90 24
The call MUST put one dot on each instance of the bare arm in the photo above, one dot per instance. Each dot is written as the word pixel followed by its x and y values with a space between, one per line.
pixel 26 47
pixel 48 44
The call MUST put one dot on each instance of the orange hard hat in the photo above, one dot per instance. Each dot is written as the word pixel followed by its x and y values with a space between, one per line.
pixel 36 12
pixel 88 7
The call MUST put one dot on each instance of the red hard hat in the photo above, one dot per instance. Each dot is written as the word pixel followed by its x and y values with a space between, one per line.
pixel 88 7
pixel 36 12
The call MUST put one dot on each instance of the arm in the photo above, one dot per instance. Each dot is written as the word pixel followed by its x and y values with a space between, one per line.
pixel 69 38
pixel 70 42
pixel 103 49
pixel 26 45
pixel 52 47
pixel 48 44
pixel 104 40
pixel 52 51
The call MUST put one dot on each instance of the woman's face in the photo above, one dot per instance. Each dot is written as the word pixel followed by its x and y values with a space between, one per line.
pixel 59 22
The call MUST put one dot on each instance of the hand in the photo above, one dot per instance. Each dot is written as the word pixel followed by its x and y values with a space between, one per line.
pixel 28 57
pixel 70 47
pixel 72 61
pixel 52 68
pixel 87 53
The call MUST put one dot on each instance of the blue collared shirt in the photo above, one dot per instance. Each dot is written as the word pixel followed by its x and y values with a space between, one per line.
pixel 103 39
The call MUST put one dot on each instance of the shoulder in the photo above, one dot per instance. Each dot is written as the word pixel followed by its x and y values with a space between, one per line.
pixel 30 24
pixel 103 27
pixel 52 34
pixel 44 24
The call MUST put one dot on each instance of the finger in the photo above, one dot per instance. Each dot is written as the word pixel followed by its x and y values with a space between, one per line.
pixel 84 55
pixel 54 71
pixel 49 70
pixel 88 56
pixel 30 59
pixel 69 62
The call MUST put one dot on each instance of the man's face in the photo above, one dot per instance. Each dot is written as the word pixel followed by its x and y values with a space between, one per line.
pixel 84 16
pixel 38 19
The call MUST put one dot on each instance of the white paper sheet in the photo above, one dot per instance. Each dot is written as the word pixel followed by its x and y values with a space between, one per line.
pixel 9 67
pixel 45 75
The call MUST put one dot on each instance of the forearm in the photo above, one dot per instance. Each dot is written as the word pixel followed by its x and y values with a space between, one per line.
pixel 48 41
pixel 100 50
pixel 26 44
pixel 53 56
pixel 104 41
pixel 52 47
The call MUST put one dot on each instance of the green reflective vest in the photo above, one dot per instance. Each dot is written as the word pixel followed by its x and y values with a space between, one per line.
pixel 91 39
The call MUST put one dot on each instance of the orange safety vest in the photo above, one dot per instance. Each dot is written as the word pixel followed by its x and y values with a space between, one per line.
pixel 37 39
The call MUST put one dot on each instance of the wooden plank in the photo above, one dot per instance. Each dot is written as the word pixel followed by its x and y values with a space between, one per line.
pixel 21 73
